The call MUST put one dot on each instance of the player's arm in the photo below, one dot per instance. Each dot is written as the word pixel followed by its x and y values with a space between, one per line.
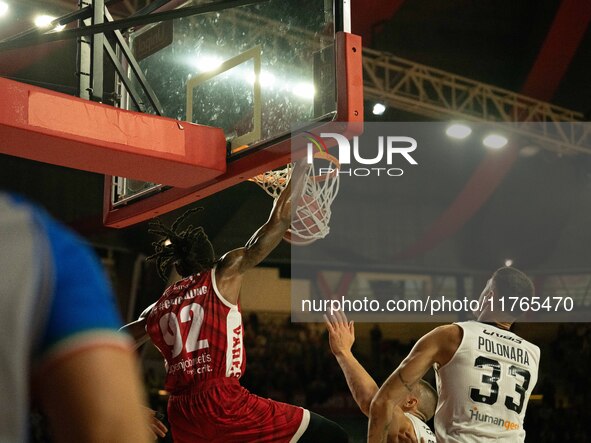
pixel 235 263
pixel 94 395
pixel 438 346
pixel 86 377
pixel 137 328
pixel 341 336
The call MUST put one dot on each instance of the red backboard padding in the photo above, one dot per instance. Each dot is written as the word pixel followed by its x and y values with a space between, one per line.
pixel 51 127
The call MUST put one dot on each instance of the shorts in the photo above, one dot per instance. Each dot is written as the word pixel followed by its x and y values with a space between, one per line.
pixel 220 410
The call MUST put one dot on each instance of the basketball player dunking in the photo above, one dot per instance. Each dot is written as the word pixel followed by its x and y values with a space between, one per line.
pixel 485 373
pixel 197 326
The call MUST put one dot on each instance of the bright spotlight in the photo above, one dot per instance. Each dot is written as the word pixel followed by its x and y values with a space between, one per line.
pixel 267 79
pixel 3 8
pixel 304 90
pixel 378 109
pixel 43 21
pixel 458 131
pixel 508 262
pixel 495 141
pixel 208 63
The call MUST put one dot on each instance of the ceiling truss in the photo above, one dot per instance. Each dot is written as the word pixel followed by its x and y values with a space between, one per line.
pixel 434 93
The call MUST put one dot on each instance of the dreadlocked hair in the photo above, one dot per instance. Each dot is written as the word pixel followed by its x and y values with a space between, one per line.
pixel 189 250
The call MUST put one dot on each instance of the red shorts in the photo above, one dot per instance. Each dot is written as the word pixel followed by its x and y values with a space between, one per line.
pixel 221 410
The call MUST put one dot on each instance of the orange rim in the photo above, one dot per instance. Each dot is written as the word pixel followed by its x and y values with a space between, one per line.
pixel 326 156
pixel 271 176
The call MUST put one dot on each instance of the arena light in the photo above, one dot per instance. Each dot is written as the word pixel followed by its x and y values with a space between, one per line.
pixel 378 109
pixel 459 131
pixel 304 90
pixel 495 141
pixel 3 8
pixel 208 63
pixel 267 79
pixel 45 21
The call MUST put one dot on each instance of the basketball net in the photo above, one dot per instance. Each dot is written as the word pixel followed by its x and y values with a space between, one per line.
pixel 273 182
pixel 310 220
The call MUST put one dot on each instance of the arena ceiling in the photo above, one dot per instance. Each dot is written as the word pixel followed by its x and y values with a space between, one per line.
pixel 537 213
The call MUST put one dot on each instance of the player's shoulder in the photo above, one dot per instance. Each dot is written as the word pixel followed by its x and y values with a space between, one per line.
pixel 443 341
pixel 448 333
pixel 230 261
pixel 525 342
pixel 229 271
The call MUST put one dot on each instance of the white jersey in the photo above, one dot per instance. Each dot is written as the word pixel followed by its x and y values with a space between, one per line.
pixel 421 429
pixel 484 388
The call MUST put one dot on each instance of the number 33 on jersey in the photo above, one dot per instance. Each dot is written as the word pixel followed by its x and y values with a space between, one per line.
pixel 485 387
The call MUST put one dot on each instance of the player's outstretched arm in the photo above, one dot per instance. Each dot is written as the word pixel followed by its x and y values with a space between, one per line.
pixel 341 336
pixel 438 346
pixel 235 263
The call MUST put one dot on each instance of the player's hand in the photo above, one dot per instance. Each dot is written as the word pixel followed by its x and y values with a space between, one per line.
pixel 298 173
pixel 341 333
pixel 156 426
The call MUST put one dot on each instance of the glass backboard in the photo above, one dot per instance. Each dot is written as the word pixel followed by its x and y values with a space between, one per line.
pixel 255 71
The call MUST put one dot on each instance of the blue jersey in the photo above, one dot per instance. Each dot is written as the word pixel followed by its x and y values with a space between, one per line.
pixel 54 300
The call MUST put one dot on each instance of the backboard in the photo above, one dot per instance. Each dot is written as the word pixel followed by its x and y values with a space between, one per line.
pixel 256 71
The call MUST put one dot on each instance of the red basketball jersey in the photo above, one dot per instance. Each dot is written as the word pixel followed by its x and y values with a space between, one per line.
pixel 198 332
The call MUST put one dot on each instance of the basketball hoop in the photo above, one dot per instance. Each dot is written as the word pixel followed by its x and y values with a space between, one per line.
pixel 273 182
pixel 311 217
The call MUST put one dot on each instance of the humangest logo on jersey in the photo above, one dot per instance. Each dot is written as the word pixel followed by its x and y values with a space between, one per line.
pixel 497 421
pixel 387 151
